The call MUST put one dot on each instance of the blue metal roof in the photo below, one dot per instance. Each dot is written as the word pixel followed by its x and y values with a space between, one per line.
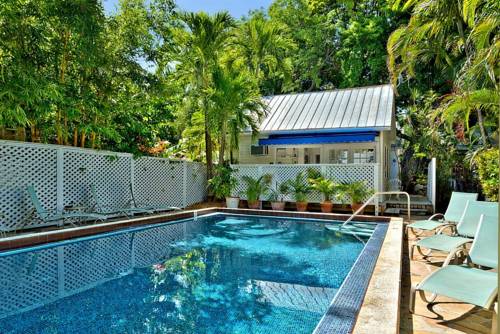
pixel 319 138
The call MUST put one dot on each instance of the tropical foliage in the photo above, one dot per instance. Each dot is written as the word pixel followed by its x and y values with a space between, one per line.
pixel 256 188
pixel 223 182
pixel 298 187
pixel 151 79
pixel 451 49
pixel 357 191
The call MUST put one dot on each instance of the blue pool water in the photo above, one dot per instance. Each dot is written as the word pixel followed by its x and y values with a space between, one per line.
pixel 218 274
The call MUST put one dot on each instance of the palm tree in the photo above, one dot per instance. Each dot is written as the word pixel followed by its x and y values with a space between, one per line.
pixel 459 37
pixel 201 46
pixel 263 46
pixel 237 105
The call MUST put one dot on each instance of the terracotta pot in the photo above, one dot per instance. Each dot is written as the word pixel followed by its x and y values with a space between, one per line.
pixel 232 202
pixel 254 204
pixel 326 207
pixel 301 206
pixel 278 206
pixel 356 206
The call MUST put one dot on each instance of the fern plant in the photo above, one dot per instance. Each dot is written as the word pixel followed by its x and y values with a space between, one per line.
pixel 255 188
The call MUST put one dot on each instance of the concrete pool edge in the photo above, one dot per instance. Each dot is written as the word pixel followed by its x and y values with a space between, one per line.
pixel 381 304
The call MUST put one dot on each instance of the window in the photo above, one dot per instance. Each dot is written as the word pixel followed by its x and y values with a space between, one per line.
pixel 361 156
pixel 259 150
pixel 338 156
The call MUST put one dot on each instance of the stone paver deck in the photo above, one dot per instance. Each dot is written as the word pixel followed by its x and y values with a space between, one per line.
pixel 445 315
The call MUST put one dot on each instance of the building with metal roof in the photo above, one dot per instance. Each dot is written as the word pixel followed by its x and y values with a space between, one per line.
pixel 344 126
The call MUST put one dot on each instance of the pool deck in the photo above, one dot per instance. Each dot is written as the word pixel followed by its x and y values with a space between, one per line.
pixel 445 315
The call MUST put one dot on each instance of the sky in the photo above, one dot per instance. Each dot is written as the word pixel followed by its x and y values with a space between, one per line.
pixel 236 8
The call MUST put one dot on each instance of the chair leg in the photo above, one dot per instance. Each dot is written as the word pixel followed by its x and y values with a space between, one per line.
pixel 421 252
pixel 450 257
pixel 413 292
pixel 494 325
pixel 431 299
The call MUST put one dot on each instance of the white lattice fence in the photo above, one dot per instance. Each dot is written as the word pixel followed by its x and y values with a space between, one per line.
pixel 158 181
pixel 22 165
pixel 64 176
pixel 339 172
pixel 109 173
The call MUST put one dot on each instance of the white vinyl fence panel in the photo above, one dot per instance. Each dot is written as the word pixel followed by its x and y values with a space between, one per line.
pixel 63 176
pixel 341 173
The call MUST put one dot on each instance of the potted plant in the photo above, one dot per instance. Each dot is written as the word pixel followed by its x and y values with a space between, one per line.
pixel 299 188
pixel 276 197
pixel 223 184
pixel 327 188
pixel 255 188
pixel 357 192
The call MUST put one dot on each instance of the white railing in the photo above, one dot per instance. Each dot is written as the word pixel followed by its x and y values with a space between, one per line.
pixel 374 197
pixel 63 176
pixel 368 172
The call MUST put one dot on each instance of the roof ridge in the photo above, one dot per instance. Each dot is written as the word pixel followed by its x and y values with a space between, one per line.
pixel 328 90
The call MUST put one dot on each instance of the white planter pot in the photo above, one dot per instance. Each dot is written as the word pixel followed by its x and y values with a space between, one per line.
pixel 232 202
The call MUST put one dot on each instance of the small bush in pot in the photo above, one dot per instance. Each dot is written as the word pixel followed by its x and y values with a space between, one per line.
pixel 276 197
pixel 357 192
pixel 255 188
pixel 299 188
pixel 327 188
pixel 223 184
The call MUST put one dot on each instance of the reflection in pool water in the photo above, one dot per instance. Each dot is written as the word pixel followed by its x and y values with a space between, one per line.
pixel 219 274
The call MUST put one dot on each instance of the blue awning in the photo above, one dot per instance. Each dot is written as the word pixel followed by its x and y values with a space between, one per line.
pixel 319 138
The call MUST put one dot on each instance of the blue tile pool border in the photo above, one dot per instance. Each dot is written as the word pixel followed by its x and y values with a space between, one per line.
pixel 341 315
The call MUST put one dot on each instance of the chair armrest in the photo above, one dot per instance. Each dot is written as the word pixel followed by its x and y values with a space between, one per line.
pixel 445 226
pixel 434 216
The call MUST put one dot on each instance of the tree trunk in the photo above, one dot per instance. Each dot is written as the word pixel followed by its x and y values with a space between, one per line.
pixel 222 148
pixel 208 140
pixel 82 139
pixel 75 137
pixel 480 122
pixel 21 134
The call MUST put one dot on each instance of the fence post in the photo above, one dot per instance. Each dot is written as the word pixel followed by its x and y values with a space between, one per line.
pixel 60 179
pixel 132 178
pixel 184 184
pixel 376 180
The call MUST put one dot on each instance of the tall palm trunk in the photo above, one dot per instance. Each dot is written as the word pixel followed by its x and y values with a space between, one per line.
pixel 480 122
pixel 222 148
pixel 208 141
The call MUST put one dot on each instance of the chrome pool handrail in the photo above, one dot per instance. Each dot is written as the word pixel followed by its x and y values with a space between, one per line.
pixel 372 197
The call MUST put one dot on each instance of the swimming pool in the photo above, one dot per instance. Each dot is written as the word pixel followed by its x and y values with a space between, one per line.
pixel 215 274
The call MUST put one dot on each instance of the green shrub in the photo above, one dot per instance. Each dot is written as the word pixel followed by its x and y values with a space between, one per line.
pixel 486 163
pixel 223 182
pixel 255 188
pixel 298 187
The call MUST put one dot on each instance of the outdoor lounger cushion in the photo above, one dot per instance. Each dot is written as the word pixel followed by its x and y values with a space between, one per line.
pixel 470 285
pixel 47 216
pixel 453 213
pixel 466 229
pixel 464 282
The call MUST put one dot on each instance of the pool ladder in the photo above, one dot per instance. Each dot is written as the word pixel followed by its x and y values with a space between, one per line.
pixel 375 195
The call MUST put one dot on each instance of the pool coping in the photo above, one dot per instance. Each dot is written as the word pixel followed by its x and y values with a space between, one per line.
pixel 378 266
pixel 380 308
